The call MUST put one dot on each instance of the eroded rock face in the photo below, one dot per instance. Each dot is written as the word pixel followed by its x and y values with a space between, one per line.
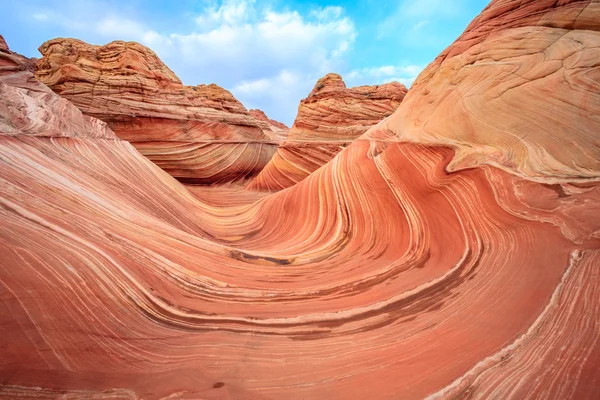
pixel 333 113
pixel 3 45
pixel 276 130
pixel 30 108
pixel 519 89
pixel 12 61
pixel 199 134
pixel 380 276
pixel 330 118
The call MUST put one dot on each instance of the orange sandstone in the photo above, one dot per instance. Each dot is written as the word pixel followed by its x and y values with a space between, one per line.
pixel 330 118
pixel 382 275
pixel 199 134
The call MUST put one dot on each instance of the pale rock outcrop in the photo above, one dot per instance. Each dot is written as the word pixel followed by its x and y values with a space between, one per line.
pixel 30 108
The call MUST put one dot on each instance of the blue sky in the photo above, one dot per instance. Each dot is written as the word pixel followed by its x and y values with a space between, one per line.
pixel 268 53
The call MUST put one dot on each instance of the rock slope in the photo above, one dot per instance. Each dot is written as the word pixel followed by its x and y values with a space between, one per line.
pixel 382 275
pixel 519 89
pixel 276 130
pixel 329 119
pixel 31 109
pixel 199 134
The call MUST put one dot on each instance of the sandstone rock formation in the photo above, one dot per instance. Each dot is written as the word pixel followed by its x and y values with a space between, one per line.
pixel 329 119
pixel 519 89
pixel 333 113
pixel 13 61
pixel 198 134
pixel 382 275
pixel 276 130
pixel 29 108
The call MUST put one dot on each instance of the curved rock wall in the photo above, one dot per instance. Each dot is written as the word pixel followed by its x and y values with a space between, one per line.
pixel 199 134
pixel 382 275
pixel 328 120
pixel 519 89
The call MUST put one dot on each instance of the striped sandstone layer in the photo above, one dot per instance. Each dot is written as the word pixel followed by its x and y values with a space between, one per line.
pixel 329 119
pixel 276 130
pixel 382 275
pixel 198 134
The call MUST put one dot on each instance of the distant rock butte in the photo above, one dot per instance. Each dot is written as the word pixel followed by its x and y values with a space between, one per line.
pixel 276 130
pixel 199 134
pixel 334 113
pixel 520 89
pixel 330 118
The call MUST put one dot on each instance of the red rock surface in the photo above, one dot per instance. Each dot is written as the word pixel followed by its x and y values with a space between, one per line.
pixel 333 113
pixel 276 130
pixel 30 108
pixel 519 89
pixel 330 118
pixel 199 134
pixel 382 275
pixel 12 61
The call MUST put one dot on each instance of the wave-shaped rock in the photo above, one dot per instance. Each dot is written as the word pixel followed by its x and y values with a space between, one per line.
pixel 199 134
pixel 328 120
pixel 382 275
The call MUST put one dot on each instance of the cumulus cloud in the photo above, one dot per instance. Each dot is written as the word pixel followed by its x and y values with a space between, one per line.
pixel 383 74
pixel 229 13
pixel 268 58
pixel 255 47
pixel 280 94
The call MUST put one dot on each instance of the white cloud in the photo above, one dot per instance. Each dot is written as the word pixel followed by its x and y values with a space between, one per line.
pixel 256 53
pixel 232 12
pixel 121 27
pixel 384 74
pixel 329 12
pixel 40 16
pixel 269 59
pixel 279 94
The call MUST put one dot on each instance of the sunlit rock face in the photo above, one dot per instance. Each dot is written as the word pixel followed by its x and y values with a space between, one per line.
pixel 12 61
pixel 328 120
pixel 198 134
pixel 332 113
pixel 382 275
